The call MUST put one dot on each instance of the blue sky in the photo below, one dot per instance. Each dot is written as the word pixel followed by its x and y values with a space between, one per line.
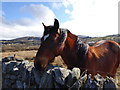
pixel 81 17
pixel 13 10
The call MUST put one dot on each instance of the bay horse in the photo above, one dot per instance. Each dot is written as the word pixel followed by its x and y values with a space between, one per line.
pixel 102 58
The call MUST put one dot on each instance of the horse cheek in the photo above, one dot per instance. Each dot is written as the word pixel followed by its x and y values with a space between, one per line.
pixel 60 49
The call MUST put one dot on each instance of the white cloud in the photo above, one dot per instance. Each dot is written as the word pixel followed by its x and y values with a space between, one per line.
pixel 93 17
pixel 67 11
pixel 40 12
pixel 27 26
pixel 15 31
pixel 66 3
pixel 24 21
pixel 57 5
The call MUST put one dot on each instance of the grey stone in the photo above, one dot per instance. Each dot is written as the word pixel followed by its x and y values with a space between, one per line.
pixel 19 77
pixel 13 85
pixel 15 69
pixel 25 62
pixel 7 76
pixel 75 73
pixel 7 83
pixel 73 76
pixel 4 68
pixel 19 60
pixel 7 59
pixel 70 80
pixel 110 83
pixel 19 84
pixel 11 64
pixel 79 83
pixel 99 80
pixel 24 75
pixel 46 81
pixel 58 76
pixel 12 77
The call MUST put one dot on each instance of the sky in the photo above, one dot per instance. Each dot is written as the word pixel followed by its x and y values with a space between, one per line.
pixel 82 17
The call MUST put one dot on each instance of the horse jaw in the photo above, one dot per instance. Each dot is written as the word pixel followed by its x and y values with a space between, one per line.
pixel 41 63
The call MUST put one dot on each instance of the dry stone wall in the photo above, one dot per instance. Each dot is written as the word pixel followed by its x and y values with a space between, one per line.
pixel 22 74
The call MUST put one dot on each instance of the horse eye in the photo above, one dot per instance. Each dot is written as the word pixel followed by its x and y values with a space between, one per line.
pixel 42 39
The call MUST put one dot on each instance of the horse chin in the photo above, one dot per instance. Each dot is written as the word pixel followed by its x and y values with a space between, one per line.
pixel 40 67
pixel 43 68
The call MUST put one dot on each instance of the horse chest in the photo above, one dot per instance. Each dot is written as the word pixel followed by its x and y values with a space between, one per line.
pixel 71 60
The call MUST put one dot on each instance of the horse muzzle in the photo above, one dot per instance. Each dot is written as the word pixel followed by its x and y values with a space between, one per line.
pixel 40 67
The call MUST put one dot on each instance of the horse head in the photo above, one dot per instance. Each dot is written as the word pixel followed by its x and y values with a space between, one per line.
pixel 52 44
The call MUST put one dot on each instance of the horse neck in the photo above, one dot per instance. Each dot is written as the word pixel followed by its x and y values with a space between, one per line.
pixel 70 53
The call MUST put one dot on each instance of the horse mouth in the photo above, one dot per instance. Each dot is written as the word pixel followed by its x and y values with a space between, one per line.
pixel 43 67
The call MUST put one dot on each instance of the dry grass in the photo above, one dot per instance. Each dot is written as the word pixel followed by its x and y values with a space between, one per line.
pixel 29 55
pixel 18 47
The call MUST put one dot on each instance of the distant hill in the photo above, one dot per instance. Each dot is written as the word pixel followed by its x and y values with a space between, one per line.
pixel 20 44
pixel 83 36
pixel 115 37
pixel 33 43
pixel 22 40
pixel 27 38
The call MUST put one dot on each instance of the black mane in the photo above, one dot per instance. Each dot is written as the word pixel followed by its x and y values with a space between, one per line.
pixel 82 48
pixel 63 36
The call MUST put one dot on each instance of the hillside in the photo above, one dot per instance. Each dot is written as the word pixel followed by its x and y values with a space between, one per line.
pixel 22 40
pixel 20 44
pixel 33 43
pixel 109 37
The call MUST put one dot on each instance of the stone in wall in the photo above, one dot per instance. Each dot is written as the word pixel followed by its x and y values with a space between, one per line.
pixel 22 74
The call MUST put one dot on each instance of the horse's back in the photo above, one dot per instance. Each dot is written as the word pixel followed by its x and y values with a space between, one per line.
pixel 112 45
pixel 107 46
pixel 115 47
pixel 104 56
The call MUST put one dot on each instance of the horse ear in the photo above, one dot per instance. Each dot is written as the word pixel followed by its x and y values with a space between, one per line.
pixel 56 25
pixel 43 24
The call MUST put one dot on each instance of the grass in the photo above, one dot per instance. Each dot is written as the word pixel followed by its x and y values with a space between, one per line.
pixel 18 47
pixel 26 55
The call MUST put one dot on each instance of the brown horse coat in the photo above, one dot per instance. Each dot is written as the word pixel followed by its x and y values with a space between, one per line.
pixel 102 58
